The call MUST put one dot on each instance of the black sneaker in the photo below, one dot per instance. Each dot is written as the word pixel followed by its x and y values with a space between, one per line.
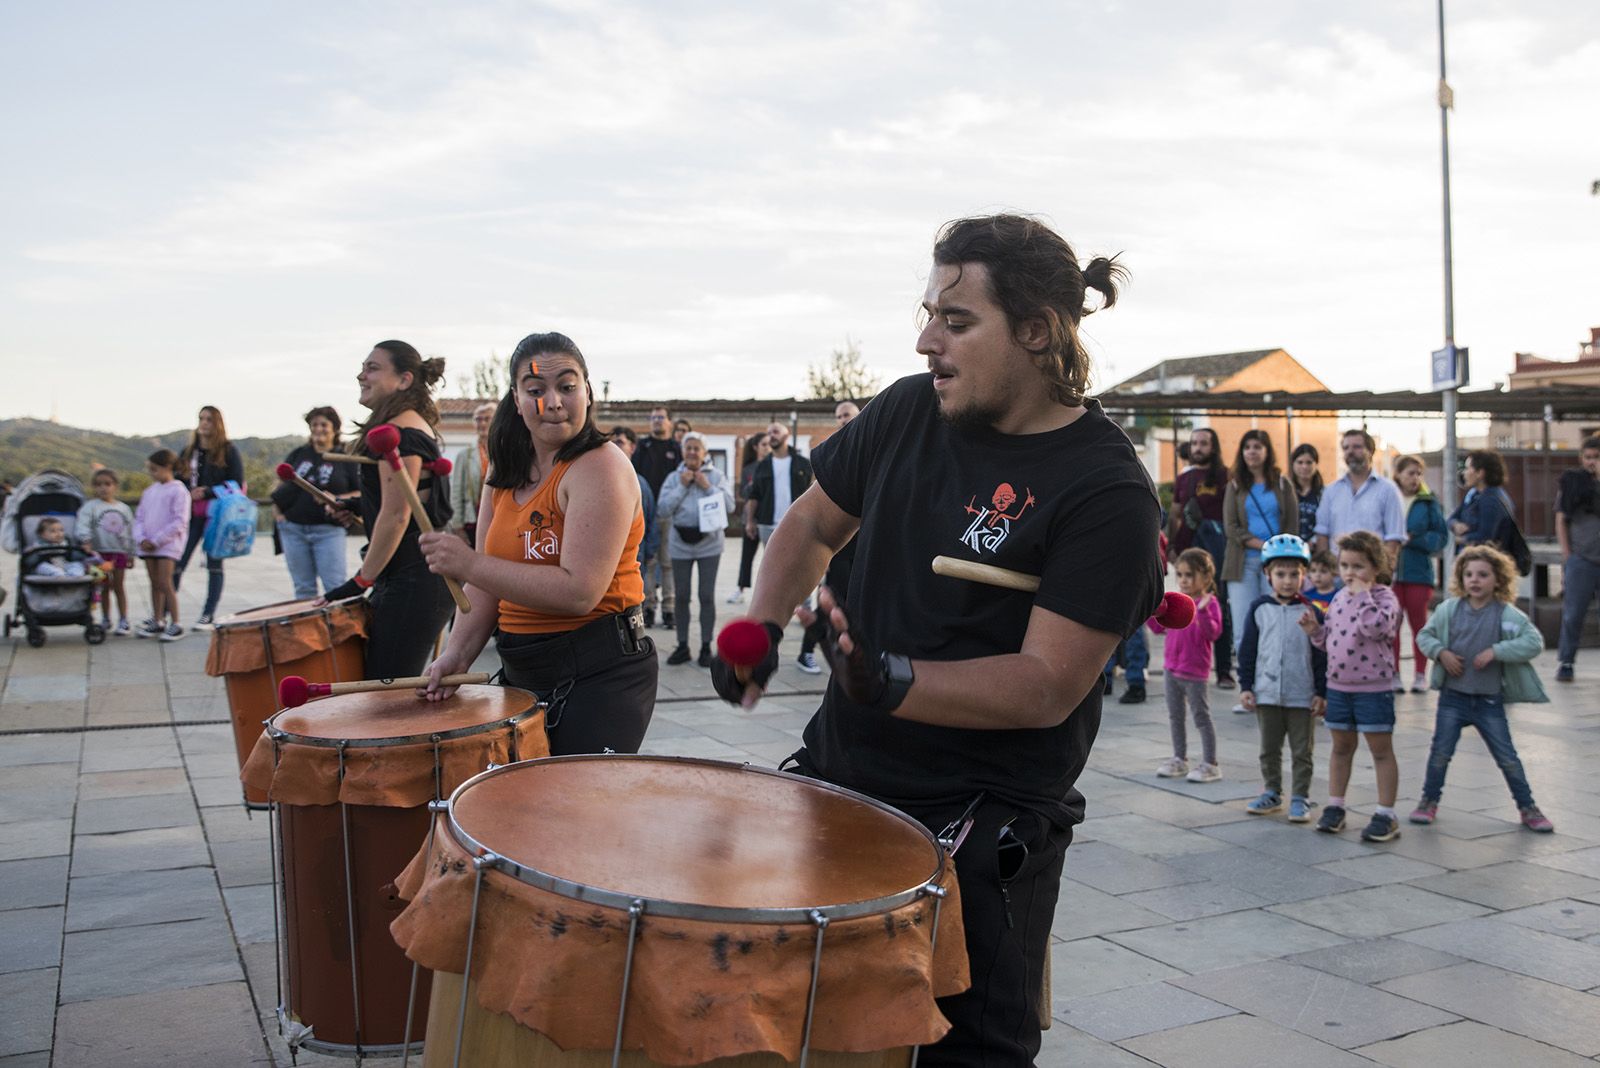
pixel 1563 672
pixel 666 620
pixel 1225 682
pixel 704 660
pixel 649 617
pixel 680 655
pixel 1381 829
pixel 1332 821
pixel 1133 696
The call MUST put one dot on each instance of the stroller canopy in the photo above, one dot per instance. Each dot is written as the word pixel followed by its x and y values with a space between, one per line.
pixel 46 493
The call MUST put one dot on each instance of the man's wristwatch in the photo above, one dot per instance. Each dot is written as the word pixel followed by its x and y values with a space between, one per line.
pixel 897 679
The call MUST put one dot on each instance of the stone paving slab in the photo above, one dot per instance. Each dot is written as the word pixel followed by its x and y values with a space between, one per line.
pixel 201 1027
pixel 1378 869
pixel 31 883
pixel 1068 1047
pixel 133 783
pixel 1265 876
pixel 1190 901
pixel 1083 911
pixel 1567 917
pixel 1091 966
pixel 1240 1042
pixel 1467 1043
pixel 1516 1003
pixel 1510 886
pixel 28 1021
pixel 129 899
pixel 1117 871
pixel 1125 1013
pixel 35 838
pixel 1213 942
pixel 1326 1007
pixel 165 847
pixel 1584 862
pixel 136 960
pixel 1379 910
pixel 30 939
pixel 144 813
pixel 1516 949
pixel 1375 960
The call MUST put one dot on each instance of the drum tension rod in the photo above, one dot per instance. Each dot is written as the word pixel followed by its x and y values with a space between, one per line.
pixel 821 922
pixel 478 864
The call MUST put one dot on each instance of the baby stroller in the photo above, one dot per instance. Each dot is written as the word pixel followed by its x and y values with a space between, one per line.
pixel 49 600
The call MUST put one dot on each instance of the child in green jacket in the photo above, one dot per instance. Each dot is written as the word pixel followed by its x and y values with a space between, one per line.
pixel 1481 646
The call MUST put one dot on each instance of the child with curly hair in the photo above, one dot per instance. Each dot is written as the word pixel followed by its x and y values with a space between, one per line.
pixel 1481 646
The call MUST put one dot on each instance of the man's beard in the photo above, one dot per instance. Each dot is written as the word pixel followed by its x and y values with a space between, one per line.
pixel 974 416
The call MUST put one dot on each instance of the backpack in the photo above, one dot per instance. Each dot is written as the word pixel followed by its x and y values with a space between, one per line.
pixel 230 523
pixel 1509 540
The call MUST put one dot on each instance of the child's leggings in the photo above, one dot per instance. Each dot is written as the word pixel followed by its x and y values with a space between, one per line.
pixel 1192 692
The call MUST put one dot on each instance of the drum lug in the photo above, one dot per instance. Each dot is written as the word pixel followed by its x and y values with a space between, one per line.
pixel 295 1034
pixel 442 805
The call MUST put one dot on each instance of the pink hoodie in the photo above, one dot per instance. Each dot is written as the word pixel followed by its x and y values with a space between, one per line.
pixel 1359 638
pixel 163 518
pixel 1188 651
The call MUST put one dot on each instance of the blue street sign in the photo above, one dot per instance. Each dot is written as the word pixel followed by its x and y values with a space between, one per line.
pixel 1449 368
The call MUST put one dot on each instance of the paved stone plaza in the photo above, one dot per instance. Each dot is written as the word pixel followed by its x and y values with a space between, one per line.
pixel 136 924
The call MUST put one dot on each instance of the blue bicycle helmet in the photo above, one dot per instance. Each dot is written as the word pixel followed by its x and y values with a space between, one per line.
pixel 1285 547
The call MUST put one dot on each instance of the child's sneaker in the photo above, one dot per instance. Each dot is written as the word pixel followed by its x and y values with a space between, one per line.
pixel 1173 768
pixel 1299 810
pixel 1563 672
pixel 1535 820
pixel 1267 803
pixel 150 628
pixel 1425 812
pixel 1381 829
pixel 1332 821
pixel 124 628
pixel 1203 772
pixel 173 632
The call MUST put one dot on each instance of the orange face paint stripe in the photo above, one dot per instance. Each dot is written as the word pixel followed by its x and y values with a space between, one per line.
pixel 538 402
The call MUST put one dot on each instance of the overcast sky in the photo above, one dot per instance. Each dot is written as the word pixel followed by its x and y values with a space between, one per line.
pixel 227 204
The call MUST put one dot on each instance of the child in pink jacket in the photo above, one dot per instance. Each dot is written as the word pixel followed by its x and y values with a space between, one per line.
pixel 1187 658
pixel 160 529
pixel 1359 639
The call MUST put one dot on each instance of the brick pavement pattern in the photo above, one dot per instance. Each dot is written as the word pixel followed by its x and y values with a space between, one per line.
pixel 136 921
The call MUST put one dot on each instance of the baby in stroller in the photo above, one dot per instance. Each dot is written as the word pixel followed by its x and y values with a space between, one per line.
pixel 70 562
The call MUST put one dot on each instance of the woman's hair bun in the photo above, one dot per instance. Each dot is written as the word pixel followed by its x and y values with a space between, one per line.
pixel 433 369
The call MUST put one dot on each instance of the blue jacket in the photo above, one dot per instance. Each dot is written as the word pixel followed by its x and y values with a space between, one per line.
pixel 1426 536
pixel 1292 670
pixel 1485 513
pixel 650 544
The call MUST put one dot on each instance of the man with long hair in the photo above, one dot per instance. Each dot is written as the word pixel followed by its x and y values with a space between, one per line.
pixel 966 704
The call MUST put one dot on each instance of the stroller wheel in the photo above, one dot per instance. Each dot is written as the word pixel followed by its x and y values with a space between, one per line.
pixel 36 636
pixel 94 634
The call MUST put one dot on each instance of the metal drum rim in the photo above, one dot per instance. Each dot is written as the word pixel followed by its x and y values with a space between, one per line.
pixel 314 741
pixel 684 910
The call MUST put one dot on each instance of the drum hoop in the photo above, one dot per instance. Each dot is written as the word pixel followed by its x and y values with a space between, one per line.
pixel 318 742
pixel 683 910
pixel 233 622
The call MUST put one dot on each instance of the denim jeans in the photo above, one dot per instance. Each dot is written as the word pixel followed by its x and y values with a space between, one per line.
pixel 1487 712
pixel 1243 593
pixel 1580 582
pixel 197 533
pixel 1134 653
pixel 313 551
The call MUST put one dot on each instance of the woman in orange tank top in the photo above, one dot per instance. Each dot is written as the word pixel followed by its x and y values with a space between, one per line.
pixel 554 578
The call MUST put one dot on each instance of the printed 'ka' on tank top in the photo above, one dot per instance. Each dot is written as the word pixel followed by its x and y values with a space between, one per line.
pixel 535 534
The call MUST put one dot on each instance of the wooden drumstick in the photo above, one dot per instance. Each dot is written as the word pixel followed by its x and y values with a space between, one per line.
pixel 294 691
pixel 385 441
pixel 288 474
pixel 347 458
pixel 987 574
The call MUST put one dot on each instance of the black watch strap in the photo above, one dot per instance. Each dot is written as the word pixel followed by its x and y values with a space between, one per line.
pixel 897 679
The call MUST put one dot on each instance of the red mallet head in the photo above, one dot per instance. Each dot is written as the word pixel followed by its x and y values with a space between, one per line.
pixel 1176 611
pixel 294 691
pixel 286 472
pixel 743 643
pixel 384 440
pixel 442 466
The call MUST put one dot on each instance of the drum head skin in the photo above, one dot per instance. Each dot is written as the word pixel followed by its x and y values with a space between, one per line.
pixel 695 832
pixel 400 713
pixel 269 612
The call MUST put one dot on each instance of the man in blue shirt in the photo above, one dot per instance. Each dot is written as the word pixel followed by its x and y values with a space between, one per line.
pixel 1360 499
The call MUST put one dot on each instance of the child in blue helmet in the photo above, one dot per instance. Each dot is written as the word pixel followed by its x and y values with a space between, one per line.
pixel 1283 676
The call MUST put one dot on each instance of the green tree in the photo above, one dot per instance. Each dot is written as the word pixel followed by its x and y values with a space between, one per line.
pixel 488 379
pixel 844 375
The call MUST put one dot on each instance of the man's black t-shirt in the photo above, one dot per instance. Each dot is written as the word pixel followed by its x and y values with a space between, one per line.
pixel 1073 506
pixel 656 458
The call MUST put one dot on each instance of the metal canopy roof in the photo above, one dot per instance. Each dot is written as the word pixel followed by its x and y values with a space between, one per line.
pixel 1564 402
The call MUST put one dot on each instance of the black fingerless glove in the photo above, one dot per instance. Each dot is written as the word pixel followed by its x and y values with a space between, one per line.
pixel 726 682
pixel 347 589
pixel 868 678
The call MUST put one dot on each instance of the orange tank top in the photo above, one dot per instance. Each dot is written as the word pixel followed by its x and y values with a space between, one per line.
pixel 535 533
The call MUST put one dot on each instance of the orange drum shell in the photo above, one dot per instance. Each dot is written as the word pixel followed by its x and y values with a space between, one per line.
pixel 700 990
pixel 255 653
pixel 396 776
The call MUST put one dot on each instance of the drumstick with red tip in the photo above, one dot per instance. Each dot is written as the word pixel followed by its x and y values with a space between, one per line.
pixel 1175 613
pixel 441 466
pixel 384 440
pixel 287 473
pixel 743 643
pixel 294 691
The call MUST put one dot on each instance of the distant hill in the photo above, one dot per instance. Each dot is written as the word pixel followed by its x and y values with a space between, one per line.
pixel 27 446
